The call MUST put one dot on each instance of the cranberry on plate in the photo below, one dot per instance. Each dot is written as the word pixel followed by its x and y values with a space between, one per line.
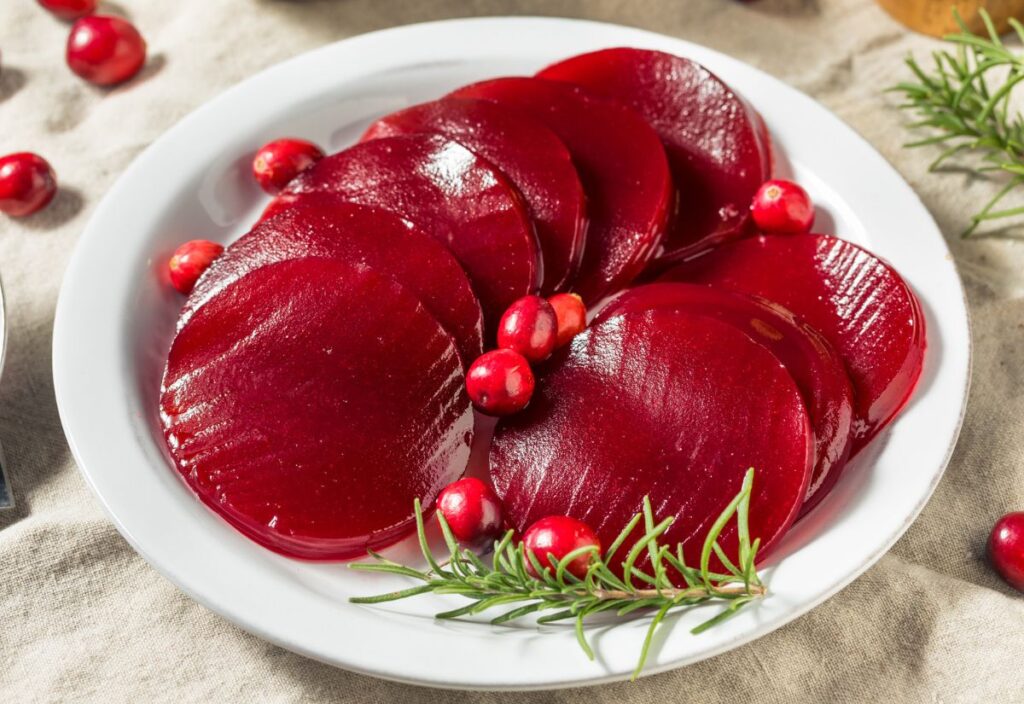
pixel 27 184
pixel 1006 548
pixel 500 382
pixel 571 314
pixel 69 9
pixel 105 50
pixel 278 162
pixel 471 509
pixel 189 262
pixel 783 207
pixel 557 536
pixel 529 327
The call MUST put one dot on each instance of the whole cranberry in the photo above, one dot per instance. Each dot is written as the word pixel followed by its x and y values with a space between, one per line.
pixel 471 509
pixel 27 184
pixel 529 327
pixel 278 162
pixel 105 50
pixel 557 536
pixel 189 262
pixel 571 314
pixel 1006 548
pixel 500 382
pixel 69 9
pixel 782 207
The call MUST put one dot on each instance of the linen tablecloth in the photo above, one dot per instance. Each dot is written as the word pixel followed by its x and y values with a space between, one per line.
pixel 83 618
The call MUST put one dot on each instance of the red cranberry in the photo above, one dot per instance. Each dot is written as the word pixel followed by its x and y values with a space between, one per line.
pixel 189 262
pixel 529 327
pixel 1006 548
pixel 105 50
pixel 69 9
pixel 471 509
pixel 27 184
pixel 558 536
pixel 500 382
pixel 571 315
pixel 783 207
pixel 280 161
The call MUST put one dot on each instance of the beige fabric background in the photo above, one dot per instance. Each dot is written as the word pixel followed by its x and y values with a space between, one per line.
pixel 83 618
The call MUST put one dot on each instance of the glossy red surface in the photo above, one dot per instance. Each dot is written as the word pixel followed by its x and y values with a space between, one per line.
pixel 551 539
pixel 668 404
pixel 69 9
pixel 764 140
pixel 452 195
pixel 310 402
pixel 1006 549
pixel 857 301
pixel 500 382
pixel 278 162
pixel 325 225
pixel 189 261
pixel 782 207
pixel 471 509
pixel 621 164
pixel 711 135
pixel 27 184
pixel 105 50
pixel 529 327
pixel 815 366
pixel 529 154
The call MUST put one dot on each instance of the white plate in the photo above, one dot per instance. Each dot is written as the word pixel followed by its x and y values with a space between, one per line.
pixel 116 314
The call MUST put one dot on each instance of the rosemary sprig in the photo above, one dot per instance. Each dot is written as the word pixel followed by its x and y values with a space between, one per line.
pixel 967 111
pixel 504 580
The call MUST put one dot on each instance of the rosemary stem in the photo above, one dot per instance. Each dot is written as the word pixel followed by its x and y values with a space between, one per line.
pixel 966 109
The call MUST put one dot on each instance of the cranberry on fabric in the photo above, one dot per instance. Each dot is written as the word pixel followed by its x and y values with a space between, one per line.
pixel 27 184
pixel 69 9
pixel 1006 548
pixel 105 50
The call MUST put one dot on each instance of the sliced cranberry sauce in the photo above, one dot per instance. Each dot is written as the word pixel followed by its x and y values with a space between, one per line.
pixel 712 136
pixel 622 166
pixel 309 402
pixel 528 153
pixel 857 301
pixel 325 225
pixel 808 357
pixel 452 194
pixel 663 403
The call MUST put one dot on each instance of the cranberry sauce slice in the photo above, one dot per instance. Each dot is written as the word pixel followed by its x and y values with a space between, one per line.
pixel 529 154
pixel 857 301
pixel 621 164
pixel 712 136
pixel 325 225
pixel 452 194
pixel 310 402
pixel 663 403
pixel 808 357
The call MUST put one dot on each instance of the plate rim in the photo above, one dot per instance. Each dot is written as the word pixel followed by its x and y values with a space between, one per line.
pixel 60 364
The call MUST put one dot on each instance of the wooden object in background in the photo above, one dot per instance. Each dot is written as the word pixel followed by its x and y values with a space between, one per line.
pixel 935 17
